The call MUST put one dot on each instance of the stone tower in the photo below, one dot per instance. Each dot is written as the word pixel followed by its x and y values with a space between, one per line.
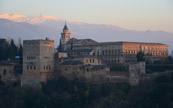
pixel 38 61
pixel 65 36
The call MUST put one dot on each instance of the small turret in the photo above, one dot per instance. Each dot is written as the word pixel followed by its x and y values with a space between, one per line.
pixel 65 35
pixel 65 29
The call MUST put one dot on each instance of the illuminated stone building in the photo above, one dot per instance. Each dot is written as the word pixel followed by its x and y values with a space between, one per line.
pixel 120 52
pixel 87 59
pixel 38 61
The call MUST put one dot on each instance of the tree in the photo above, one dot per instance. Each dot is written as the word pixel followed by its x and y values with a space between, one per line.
pixel 60 46
pixel 12 51
pixel 140 56
pixel 8 49
pixel 20 53
pixel 3 49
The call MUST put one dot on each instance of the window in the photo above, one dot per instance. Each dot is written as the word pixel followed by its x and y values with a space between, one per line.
pixel 102 52
pixel 31 57
pixel 34 67
pixel 5 72
pixel 27 67
pixel 105 52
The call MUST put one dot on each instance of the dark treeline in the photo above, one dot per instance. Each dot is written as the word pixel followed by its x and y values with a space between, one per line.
pixel 156 93
pixel 9 50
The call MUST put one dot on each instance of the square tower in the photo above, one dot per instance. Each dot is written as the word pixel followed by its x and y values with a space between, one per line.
pixel 38 61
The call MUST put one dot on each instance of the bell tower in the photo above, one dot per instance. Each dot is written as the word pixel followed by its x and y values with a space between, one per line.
pixel 65 35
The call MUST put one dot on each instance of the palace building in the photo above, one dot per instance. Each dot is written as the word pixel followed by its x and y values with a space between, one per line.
pixel 115 52
pixel 87 59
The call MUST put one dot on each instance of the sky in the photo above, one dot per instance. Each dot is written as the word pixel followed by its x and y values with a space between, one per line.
pixel 137 15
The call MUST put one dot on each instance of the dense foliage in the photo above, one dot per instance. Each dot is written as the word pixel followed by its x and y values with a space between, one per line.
pixel 158 68
pixel 10 50
pixel 157 93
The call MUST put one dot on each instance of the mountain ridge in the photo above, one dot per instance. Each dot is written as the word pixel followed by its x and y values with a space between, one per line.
pixel 51 27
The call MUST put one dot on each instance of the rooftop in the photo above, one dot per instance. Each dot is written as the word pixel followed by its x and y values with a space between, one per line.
pixel 84 56
pixel 81 41
pixel 93 66
pixel 80 50
pixel 71 63
pixel 9 62
pixel 37 40
pixel 120 43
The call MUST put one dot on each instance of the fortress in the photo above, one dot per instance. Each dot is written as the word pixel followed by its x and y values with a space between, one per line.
pixel 87 59
pixel 84 59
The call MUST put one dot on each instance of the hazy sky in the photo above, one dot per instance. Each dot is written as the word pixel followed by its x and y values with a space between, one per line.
pixel 129 14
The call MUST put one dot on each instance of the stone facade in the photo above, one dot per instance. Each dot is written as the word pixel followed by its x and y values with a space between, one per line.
pixel 117 52
pixel 79 52
pixel 38 61
pixel 125 52
pixel 82 67
pixel 153 51
pixel 132 74
pixel 136 72
pixel 10 71
pixel 94 73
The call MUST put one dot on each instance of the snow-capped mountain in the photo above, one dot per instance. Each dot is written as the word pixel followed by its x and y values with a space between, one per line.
pixel 28 19
pixel 40 27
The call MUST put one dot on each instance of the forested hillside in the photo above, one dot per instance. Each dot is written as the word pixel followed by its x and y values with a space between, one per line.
pixel 157 93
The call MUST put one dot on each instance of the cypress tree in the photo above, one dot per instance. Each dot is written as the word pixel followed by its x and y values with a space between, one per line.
pixel 140 56
pixel 60 47
pixel 20 52
pixel 12 51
